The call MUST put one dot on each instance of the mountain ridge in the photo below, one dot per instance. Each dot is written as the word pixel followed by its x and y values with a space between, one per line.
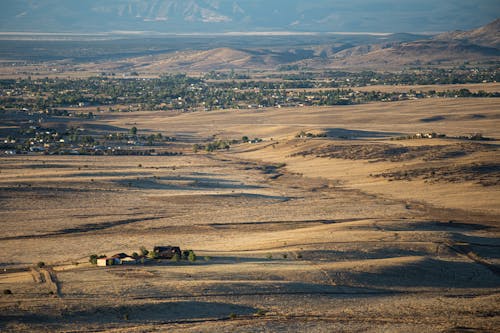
pixel 238 15
pixel 478 45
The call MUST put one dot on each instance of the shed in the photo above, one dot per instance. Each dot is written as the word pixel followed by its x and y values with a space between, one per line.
pixel 105 262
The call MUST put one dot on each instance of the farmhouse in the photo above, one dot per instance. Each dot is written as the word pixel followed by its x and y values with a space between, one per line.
pixel 167 252
pixel 123 258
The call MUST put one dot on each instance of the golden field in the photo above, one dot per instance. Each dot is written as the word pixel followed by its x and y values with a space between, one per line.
pixel 348 232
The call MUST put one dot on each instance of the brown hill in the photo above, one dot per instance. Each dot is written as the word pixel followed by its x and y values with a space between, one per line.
pixel 215 59
pixel 488 35
pixel 481 45
pixel 415 53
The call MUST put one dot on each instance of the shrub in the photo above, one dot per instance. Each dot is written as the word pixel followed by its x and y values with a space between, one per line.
pixel 260 312
pixel 93 259
pixel 175 258
pixel 285 255
pixel 192 256
pixel 299 255
pixel 144 252
pixel 185 254
pixel 207 258
pixel 7 292
pixel 232 315
pixel 269 256
pixel 40 264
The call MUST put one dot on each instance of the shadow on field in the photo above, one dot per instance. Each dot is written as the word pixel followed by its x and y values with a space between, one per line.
pixel 99 128
pixel 190 184
pixel 159 313
pixel 427 272
pixel 432 119
pixel 437 226
pixel 343 133
pixel 363 253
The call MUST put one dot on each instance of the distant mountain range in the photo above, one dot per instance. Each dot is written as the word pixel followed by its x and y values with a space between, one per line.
pixel 480 45
pixel 454 48
pixel 180 16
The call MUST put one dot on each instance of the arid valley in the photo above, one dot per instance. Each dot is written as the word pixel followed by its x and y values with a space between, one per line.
pixel 285 236
pixel 262 183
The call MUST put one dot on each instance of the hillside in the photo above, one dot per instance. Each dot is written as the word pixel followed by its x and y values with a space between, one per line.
pixel 392 52
pixel 476 46
pixel 419 53
pixel 487 35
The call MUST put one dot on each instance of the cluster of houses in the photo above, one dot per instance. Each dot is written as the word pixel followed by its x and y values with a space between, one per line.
pixel 160 252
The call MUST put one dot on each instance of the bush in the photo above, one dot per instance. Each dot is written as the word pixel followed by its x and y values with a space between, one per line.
pixel 144 252
pixel 269 256
pixel 175 258
pixel 260 312
pixel 93 259
pixel 207 258
pixel 7 292
pixel 232 315
pixel 40 264
pixel 192 256
pixel 185 254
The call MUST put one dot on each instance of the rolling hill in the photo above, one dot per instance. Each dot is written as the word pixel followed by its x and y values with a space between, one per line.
pixel 454 48
pixel 478 45
pixel 487 35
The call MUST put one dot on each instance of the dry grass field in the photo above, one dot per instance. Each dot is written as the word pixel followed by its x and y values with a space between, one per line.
pixel 349 232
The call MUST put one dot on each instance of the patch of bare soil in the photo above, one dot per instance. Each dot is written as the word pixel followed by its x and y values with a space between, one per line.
pixel 485 174
pixel 395 153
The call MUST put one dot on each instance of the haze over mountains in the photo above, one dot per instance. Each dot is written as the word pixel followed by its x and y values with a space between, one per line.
pixel 188 16
pixel 479 46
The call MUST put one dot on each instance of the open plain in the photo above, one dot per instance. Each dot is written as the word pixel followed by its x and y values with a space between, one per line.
pixel 351 231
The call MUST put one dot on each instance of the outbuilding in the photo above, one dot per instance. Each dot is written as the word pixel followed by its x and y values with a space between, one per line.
pixel 102 262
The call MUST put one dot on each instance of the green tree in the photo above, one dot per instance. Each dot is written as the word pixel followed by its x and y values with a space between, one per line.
pixel 133 130
pixel 176 258
pixel 192 256
pixel 144 252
